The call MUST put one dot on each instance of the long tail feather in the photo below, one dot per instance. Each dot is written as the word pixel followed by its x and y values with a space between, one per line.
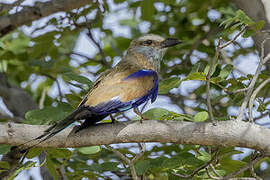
pixel 54 129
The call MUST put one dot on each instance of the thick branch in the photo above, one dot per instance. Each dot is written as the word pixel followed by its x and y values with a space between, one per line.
pixel 29 14
pixel 225 133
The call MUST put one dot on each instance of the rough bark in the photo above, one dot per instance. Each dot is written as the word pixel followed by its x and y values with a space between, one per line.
pixel 28 14
pixel 225 133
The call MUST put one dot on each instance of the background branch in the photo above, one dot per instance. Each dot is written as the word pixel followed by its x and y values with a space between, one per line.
pixel 18 102
pixel 10 22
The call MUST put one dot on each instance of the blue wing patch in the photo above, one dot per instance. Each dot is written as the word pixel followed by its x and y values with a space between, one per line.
pixel 116 105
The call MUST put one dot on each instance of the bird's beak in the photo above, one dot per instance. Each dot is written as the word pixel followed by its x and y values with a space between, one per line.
pixel 169 42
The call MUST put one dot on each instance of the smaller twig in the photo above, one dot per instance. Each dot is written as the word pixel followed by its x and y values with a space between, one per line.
pixel 241 90
pixel 86 57
pixel 119 154
pixel 251 167
pixel 253 96
pixel 241 170
pixel 263 60
pixel 210 175
pixel 57 84
pixel 214 171
pixel 199 168
pixel 7 7
pixel 132 162
pixel 198 42
pixel 144 106
pixel 208 77
pixel 42 99
pixel 138 156
pixel 233 39
pixel 265 31
pixel 227 60
pixel 125 116
pixel 102 53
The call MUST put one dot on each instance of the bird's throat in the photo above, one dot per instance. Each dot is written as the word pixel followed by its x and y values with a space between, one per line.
pixel 149 56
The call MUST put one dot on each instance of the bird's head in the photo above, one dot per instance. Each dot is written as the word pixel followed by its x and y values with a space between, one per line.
pixel 152 47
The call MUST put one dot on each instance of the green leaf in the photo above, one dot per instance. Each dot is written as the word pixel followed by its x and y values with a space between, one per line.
pixel 243 18
pixel 60 153
pixel 74 99
pixel 173 162
pixel 129 22
pixel 261 107
pixel 236 25
pixel 89 150
pixel 4 165
pixel 196 76
pixel 33 152
pixel 4 148
pixel 248 33
pixel 7 55
pixel 229 165
pixel 171 2
pixel 205 71
pixel 118 1
pixel 259 25
pixel 109 166
pixel 166 85
pixel 201 116
pixel 27 165
pixel 226 71
pixel 195 68
pixel 179 117
pixel 51 167
pixel 78 78
pixel 204 156
pixel 142 166
pixel 48 115
pixel 19 44
pixel 156 113
pixel 227 22
pixel 147 9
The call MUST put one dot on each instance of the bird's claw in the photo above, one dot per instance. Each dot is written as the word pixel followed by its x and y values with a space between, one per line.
pixel 113 119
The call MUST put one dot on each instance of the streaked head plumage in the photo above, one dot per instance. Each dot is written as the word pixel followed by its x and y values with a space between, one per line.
pixel 152 47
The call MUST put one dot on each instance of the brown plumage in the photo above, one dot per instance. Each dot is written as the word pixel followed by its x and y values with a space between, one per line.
pixel 133 81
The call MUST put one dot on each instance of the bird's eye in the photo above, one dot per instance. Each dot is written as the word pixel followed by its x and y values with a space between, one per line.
pixel 148 42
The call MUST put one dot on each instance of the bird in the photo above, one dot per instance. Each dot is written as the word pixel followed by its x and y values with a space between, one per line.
pixel 131 83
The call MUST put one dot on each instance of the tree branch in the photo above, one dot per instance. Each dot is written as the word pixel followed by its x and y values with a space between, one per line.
pixel 28 14
pixel 253 96
pixel 208 77
pixel 225 133
pixel 241 170
pixel 255 10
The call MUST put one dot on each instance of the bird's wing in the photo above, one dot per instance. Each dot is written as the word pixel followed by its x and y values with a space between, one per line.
pixel 103 75
pixel 122 90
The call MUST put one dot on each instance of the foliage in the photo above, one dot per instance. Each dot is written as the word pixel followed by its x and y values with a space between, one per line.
pixel 40 61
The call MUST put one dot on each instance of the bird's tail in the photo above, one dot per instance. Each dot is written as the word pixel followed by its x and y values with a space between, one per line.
pixel 54 129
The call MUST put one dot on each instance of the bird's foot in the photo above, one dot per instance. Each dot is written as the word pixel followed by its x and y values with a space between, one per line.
pixel 143 118
pixel 137 111
pixel 113 119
